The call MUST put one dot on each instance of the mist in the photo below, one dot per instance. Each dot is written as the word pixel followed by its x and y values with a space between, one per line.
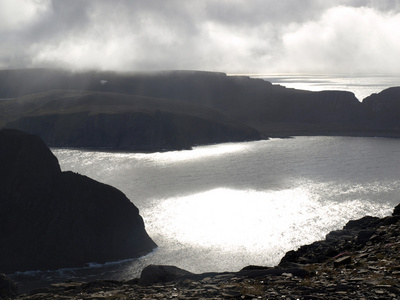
pixel 236 36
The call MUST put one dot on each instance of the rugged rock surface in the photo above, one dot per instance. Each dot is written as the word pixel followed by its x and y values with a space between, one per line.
pixel 51 219
pixel 354 236
pixel 367 270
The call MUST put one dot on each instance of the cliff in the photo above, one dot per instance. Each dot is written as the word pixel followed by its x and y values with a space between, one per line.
pixel 51 219
pixel 382 110
pixel 179 109
pixel 64 118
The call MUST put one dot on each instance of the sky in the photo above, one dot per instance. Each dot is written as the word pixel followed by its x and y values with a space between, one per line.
pixel 231 36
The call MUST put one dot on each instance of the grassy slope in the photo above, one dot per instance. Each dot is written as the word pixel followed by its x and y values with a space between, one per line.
pixel 68 101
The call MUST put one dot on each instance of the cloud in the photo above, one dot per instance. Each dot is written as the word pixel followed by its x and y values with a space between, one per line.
pixel 16 14
pixel 229 36
pixel 344 39
pixel 15 17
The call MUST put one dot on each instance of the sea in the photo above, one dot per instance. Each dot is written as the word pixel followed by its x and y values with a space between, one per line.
pixel 222 207
pixel 361 85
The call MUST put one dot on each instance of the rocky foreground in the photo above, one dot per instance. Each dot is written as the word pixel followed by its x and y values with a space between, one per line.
pixel 362 261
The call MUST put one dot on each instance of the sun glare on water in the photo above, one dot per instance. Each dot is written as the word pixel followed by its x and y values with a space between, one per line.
pixel 222 207
pixel 201 152
pixel 248 220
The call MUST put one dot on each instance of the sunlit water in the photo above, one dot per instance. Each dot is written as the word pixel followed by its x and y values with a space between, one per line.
pixel 223 207
pixel 361 86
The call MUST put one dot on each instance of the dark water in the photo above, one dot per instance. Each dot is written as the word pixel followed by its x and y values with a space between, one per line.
pixel 223 207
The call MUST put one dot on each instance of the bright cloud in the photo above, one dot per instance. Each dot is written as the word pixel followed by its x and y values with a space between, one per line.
pixel 236 36
pixel 15 14
pixel 345 39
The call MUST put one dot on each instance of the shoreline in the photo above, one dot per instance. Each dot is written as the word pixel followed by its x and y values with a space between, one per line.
pixel 275 135
pixel 362 260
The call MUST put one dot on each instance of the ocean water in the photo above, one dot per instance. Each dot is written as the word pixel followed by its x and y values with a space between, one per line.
pixel 223 207
pixel 361 85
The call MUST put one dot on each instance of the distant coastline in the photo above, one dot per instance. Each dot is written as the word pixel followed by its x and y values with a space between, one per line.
pixel 176 110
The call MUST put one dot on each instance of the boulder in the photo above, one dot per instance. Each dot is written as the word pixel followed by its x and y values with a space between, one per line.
pixel 51 219
pixel 160 273
pixel 362 223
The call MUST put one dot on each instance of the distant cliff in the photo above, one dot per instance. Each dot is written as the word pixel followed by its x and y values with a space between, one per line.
pixel 69 118
pixel 179 109
pixel 382 110
pixel 51 219
pixel 131 131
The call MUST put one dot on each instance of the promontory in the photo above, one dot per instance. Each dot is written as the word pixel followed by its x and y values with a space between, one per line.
pixel 51 219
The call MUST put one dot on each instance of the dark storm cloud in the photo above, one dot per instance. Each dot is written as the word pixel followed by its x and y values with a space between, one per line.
pixel 230 36
pixel 64 17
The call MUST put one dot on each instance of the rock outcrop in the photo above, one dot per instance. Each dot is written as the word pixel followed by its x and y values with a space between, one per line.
pixel 354 235
pixel 51 219
pixel 159 274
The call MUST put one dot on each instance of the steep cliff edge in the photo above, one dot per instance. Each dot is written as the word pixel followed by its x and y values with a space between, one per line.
pixel 64 118
pixel 382 110
pixel 51 219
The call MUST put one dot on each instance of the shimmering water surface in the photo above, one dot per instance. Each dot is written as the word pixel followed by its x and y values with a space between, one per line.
pixel 362 86
pixel 223 207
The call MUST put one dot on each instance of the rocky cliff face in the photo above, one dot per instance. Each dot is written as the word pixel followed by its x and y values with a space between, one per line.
pixel 382 110
pixel 51 219
pixel 192 108
pixel 136 131
pixel 66 118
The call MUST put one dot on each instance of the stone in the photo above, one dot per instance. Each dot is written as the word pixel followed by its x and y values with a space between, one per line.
pixel 159 274
pixel 363 236
pixel 344 260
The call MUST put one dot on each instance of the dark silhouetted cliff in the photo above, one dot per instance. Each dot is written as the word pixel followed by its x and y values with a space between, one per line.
pixel 179 109
pixel 51 219
pixel 382 110
pixel 110 120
